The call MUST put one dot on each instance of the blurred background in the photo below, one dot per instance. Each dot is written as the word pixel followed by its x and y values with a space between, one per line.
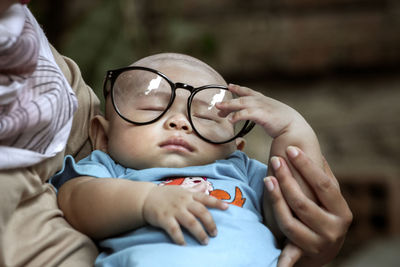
pixel 336 61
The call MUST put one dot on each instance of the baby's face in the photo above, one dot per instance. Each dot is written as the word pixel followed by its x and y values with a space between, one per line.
pixel 170 141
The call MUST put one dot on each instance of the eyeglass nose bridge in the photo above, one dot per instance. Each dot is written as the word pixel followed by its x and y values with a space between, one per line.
pixel 184 86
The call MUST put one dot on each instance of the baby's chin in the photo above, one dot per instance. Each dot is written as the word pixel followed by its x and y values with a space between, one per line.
pixel 179 161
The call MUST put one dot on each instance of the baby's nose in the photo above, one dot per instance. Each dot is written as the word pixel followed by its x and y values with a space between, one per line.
pixel 179 122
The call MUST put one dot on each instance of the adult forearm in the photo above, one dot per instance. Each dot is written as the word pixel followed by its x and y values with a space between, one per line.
pixel 103 207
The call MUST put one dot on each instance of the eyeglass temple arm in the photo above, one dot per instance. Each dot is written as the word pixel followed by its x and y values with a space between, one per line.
pixel 109 78
pixel 247 128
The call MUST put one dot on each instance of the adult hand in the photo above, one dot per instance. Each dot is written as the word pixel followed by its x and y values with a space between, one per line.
pixel 315 231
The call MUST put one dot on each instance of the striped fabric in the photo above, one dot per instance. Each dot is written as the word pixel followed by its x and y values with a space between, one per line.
pixel 36 102
pixel 18 56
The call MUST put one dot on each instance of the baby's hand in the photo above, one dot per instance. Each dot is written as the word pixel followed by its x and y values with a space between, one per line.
pixel 275 117
pixel 168 207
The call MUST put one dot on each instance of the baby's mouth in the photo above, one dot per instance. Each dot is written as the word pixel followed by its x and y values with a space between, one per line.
pixel 176 144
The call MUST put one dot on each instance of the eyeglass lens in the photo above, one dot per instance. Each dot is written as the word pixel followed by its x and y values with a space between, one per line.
pixel 142 96
pixel 205 118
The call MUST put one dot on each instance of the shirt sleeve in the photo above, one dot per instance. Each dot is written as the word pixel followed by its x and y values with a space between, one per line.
pixel 255 171
pixel 97 164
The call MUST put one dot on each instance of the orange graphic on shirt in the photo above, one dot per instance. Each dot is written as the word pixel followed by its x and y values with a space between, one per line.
pixel 223 195
pixel 201 184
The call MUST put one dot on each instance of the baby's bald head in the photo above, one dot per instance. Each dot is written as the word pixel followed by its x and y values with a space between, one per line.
pixel 173 60
pixel 179 68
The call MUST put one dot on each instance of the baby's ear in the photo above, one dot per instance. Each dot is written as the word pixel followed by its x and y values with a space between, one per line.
pixel 98 133
pixel 240 143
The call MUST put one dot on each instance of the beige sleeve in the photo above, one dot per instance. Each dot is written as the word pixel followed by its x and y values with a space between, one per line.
pixel 33 231
pixel 88 105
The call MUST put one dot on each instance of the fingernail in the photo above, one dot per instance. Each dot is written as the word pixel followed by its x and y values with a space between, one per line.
pixel 292 151
pixel 214 232
pixel 268 182
pixel 225 205
pixel 205 241
pixel 276 163
pixel 232 85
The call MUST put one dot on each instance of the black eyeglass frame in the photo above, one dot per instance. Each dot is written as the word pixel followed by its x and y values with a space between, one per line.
pixel 112 76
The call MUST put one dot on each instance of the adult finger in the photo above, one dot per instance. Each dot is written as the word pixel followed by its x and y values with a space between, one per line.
pixel 289 256
pixel 290 226
pixel 330 229
pixel 329 172
pixel 306 209
pixel 324 187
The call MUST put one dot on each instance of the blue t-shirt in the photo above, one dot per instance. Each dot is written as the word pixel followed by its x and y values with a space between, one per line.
pixel 242 240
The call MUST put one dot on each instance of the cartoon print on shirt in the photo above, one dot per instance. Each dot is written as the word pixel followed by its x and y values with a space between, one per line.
pixel 194 184
pixel 223 195
pixel 201 184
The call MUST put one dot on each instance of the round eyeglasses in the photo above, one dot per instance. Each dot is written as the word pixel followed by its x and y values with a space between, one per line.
pixel 142 95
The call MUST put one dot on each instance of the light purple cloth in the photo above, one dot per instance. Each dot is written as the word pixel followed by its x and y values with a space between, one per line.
pixel 36 102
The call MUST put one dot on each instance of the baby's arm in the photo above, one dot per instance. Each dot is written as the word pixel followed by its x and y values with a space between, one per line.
pixel 105 207
pixel 284 124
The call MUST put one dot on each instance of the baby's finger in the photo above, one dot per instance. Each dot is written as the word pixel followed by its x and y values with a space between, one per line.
pixel 229 106
pixel 244 108
pixel 189 221
pixel 202 213
pixel 241 90
pixel 210 201
pixel 173 229
pixel 200 187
